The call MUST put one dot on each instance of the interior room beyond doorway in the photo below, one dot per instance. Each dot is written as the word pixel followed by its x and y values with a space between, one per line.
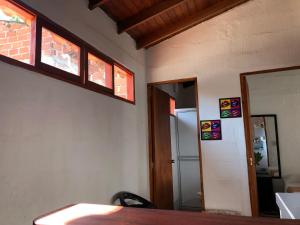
pixel 182 137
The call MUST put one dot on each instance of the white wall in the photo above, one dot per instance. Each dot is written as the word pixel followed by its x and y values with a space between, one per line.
pixel 260 34
pixel 61 144
pixel 279 93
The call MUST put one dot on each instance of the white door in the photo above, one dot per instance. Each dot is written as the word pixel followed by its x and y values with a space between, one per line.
pixel 188 159
pixel 173 127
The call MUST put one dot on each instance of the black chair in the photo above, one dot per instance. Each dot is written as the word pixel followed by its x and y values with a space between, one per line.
pixel 128 199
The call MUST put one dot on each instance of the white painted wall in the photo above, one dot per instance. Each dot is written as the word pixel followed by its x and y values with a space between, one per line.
pixel 279 93
pixel 61 144
pixel 260 34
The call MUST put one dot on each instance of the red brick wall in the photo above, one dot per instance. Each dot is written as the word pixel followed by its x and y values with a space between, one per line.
pixel 56 47
pixel 121 86
pixel 15 41
pixel 99 70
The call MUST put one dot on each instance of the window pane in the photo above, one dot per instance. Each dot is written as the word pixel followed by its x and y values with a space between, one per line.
pixel 99 71
pixel 59 52
pixel 172 106
pixel 123 84
pixel 15 32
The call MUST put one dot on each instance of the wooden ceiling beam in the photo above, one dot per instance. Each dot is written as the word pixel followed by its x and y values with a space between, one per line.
pixel 93 4
pixel 186 23
pixel 147 14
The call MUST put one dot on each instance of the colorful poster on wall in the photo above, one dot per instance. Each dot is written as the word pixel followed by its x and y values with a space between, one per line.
pixel 211 130
pixel 230 107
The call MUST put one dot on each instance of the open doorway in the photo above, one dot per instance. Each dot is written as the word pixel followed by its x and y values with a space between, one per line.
pixel 271 118
pixel 174 145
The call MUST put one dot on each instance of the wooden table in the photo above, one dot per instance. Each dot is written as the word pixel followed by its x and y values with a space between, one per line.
pixel 89 214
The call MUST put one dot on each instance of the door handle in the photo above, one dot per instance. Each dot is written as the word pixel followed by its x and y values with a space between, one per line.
pixel 251 161
pixel 172 161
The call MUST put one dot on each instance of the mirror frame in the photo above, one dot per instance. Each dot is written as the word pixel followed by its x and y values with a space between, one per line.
pixel 277 140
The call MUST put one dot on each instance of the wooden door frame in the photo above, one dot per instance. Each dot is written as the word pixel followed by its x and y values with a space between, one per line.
pixel 150 135
pixel 248 134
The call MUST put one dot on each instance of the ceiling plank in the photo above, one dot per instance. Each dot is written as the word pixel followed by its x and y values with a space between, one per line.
pixel 96 3
pixel 184 24
pixel 147 14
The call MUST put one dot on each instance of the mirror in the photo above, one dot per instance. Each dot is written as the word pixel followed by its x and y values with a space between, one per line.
pixel 265 145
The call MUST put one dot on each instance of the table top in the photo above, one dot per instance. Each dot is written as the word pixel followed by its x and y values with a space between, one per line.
pixel 290 202
pixel 90 214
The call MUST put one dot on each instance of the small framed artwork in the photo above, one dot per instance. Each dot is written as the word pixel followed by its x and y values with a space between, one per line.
pixel 211 130
pixel 230 107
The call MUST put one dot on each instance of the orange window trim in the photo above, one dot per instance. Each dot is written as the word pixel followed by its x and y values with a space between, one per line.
pixel 130 87
pixel 172 106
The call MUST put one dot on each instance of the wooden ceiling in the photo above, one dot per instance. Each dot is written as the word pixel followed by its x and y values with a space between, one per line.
pixel 149 22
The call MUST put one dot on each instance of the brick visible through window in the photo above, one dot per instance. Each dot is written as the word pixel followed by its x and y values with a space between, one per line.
pixel 16 32
pixel 124 84
pixel 99 72
pixel 59 52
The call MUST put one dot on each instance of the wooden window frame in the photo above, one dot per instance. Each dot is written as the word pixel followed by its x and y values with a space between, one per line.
pixel 48 70
pixel 60 31
pixel 92 85
pixel 133 82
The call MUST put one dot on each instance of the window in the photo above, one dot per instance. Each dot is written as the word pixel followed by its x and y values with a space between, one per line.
pixel 99 72
pixel 30 40
pixel 60 53
pixel 124 84
pixel 16 32
pixel 172 106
